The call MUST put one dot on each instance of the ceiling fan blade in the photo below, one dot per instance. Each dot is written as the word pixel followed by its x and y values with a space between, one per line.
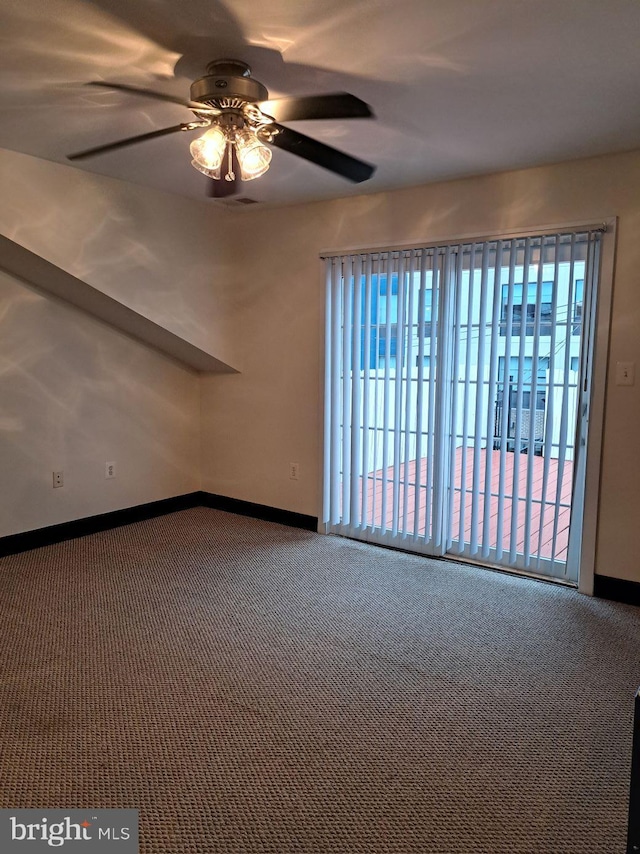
pixel 317 152
pixel 221 188
pixel 338 105
pixel 158 96
pixel 131 140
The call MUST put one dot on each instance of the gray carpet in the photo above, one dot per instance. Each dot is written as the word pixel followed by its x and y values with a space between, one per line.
pixel 254 688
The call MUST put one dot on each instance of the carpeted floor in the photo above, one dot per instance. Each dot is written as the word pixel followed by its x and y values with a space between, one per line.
pixel 254 688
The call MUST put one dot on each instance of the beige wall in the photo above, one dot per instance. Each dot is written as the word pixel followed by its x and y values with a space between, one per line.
pixel 256 423
pixel 162 255
pixel 74 394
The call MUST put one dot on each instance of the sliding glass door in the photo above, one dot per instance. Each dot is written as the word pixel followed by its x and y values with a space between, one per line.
pixel 457 391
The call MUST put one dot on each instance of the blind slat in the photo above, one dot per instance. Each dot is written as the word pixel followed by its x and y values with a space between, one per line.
pixel 336 386
pixel 441 415
pixel 515 488
pixel 504 412
pixel 356 399
pixel 386 273
pixel 408 404
pixel 550 408
pixel 492 395
pixel 455 394
pixel 477 455
pixel 431 408
pixel 346 394
pixel 397 406
pixel 375 500
pixel 564 415
pixel 421 329
pixel 533 417
pixel 366 393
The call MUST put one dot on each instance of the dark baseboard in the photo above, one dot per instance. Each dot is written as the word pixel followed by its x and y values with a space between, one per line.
pixel 605 587
pixel 15 543
pixel 260 511
pixel 94 524
pixel 617 589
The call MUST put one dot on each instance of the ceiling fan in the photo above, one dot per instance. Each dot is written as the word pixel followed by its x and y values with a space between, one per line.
pixel 240 124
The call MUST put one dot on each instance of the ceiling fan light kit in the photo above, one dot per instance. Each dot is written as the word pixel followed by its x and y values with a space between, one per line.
pixel 229 88
pixel 232 107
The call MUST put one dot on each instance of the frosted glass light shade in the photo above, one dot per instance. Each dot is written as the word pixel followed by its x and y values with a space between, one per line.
pixel 254 157
pixel 207 152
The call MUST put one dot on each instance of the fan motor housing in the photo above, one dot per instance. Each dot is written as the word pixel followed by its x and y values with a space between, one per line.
pixel 229 79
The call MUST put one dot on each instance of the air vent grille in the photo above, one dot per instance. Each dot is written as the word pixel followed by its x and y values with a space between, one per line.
pixel 236 203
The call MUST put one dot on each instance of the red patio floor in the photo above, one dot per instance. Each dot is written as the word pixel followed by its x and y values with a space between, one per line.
pixel 542 512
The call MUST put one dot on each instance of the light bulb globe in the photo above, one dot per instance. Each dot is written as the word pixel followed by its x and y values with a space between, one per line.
pixel 254 157
pixel 207 152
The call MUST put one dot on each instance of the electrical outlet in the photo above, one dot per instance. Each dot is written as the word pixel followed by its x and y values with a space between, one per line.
pixel 294 471
pixel 58 479
pixel 109 470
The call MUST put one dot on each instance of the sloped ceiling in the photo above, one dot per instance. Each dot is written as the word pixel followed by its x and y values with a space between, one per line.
pixel 459 87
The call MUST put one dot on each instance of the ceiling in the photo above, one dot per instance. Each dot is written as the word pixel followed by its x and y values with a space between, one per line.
pixel 459 87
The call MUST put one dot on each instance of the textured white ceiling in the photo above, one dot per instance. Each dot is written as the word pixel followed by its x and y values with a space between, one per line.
pixel 459 87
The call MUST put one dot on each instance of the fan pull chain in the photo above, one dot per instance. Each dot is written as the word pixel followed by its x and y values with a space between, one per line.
pixel 230 176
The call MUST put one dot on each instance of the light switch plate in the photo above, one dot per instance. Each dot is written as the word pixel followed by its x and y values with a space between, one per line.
pixel 625 373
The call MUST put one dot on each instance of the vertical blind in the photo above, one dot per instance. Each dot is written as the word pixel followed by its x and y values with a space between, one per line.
pixel 455 378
